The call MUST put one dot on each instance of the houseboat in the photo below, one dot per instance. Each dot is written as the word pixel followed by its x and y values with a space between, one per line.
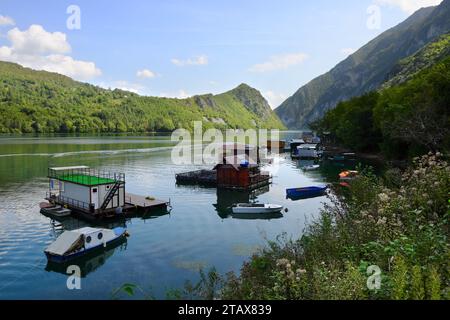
pixel 295 143
pixel 239 169
pixel 307 151
pixel 278 146
pixel 94 193
pixel 237 172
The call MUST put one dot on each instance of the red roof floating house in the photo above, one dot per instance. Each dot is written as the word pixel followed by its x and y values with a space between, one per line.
pixel 237 172
pixel 239 169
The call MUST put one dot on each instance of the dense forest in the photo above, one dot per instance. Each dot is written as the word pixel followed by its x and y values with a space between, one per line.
pixel 43 102
pixel 400 121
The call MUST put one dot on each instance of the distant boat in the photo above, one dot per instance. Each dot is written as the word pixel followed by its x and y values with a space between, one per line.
pixel 306 193
pixel 76 243
pixel 311 167
pixel 251 208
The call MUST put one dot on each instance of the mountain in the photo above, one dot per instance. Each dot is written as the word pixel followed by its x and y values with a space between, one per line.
pixel 426 57
pixel 40 101
pixel 367 69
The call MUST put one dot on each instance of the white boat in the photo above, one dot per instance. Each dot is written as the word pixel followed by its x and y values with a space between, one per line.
pixel 311 167
pixel 252 208
pixel 75 243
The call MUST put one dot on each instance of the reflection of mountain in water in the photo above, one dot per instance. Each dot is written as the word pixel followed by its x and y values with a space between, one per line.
pixel 90 262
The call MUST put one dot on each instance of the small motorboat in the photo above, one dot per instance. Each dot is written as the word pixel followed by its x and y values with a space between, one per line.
pixel 53 211
pixel 76 243
pixel 254 208
pixel 348 175
pixel 306 193
pixel 311 167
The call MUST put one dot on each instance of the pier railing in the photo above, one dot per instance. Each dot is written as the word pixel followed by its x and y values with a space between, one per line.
pixel 85 175
pixel 73 203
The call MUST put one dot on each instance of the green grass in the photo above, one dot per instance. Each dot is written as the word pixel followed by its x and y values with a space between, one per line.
pixel 86 179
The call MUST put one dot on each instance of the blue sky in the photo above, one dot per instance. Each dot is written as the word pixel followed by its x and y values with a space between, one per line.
pixel 180 48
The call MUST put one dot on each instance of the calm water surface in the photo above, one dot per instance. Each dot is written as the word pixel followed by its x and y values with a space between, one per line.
pixel 162 251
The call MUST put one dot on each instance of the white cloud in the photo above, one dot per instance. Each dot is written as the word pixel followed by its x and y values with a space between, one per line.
pixel 180 94
pixel 145 74
pixel 279 62
pixel 347 51
pixel 41 50
pixel 274 99
pixel 409 6
pixel 6 21
pixel 195 61
pixel 37 40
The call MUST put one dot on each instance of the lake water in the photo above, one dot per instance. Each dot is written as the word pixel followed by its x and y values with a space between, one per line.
pixel 162 251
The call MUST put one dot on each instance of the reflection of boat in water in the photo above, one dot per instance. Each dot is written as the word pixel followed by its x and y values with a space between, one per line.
pixel 306 193
pixel 255 208
pixel 312 167
pixel 258 216
pixel 73 244
pixel 89 262
pixel 227 198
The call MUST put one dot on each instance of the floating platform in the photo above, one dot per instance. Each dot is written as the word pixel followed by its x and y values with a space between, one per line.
pixel 206 178
pixel 209 179
pixel 135 205
pixel 142 203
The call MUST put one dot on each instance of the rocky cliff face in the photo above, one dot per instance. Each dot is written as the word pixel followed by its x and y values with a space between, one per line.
pixel 367 69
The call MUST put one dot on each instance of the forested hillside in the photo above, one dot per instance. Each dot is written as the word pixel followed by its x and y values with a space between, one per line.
pixel 400 121
pixel 43 102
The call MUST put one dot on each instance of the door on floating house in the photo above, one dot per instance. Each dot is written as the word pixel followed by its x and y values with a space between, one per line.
pixel 94 197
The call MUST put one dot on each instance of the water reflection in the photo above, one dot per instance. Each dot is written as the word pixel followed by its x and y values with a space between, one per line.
pixel 264 216
pixel 227 198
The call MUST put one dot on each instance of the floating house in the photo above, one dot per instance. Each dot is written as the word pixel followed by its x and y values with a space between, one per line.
pixel 237 172
pixel 308 151
pixel 280 145
pixel 295 143
pixel 94 193
pixel 239 169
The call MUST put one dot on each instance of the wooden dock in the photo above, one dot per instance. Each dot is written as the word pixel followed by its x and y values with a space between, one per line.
pixel 141 203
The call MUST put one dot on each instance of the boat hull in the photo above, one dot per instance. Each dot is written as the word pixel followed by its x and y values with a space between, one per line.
pixel 311 168
pixel 306 193
pixel 267 209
